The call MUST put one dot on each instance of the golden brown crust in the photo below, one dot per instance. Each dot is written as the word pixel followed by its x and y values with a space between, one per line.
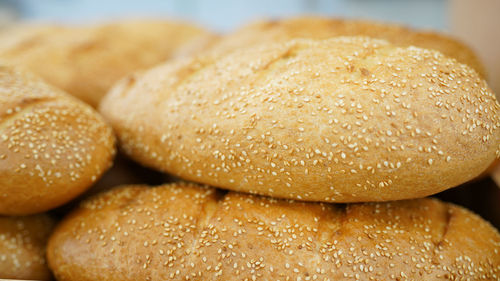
pixel 85 61
pixel 358 119
pixel 22 247
pixel 188 232
pixel 323 28
pixel 489 171
pixel 52 146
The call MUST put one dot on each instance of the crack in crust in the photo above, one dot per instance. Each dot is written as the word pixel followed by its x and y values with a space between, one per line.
pixel 448 218
pixel 440 244
pixel 23 106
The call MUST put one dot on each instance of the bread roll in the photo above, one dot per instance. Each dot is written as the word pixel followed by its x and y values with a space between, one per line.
pixel 22 247
pixel 323 28
pixel 52 146
pixel 187 232
pixel 86 60
pixel 348 119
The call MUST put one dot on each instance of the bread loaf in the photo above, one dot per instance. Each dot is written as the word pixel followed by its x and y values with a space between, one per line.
pixel 187 232
pixel 22 247
pixel 86 60
pixel 349 119
pixel 266 31
pixel 52 146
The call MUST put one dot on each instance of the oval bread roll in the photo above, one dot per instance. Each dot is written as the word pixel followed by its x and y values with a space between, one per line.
pixel 86 61
pixel 260 32
pixel 348 119
pixel 22 247
pixel 52 146
pixel 187 232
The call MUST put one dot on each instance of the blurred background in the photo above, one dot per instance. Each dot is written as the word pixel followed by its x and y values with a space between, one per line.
pixel 224 15
pixel 476 22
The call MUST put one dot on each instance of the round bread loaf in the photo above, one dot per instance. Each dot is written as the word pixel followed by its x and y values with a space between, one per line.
pixel 86 60
pixel 187 232
pixel 23 242
pixel 323 28
pixel 52 146
pixel 348 119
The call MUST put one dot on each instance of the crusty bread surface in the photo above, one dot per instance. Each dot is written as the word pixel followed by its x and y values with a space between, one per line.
pixel 52 146
pixel 313 27
pixel 23 242
pixel 187 232
pixel 349 119
pixel 86 61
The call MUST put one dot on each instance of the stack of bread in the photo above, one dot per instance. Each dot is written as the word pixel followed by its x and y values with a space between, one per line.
pixel 310 144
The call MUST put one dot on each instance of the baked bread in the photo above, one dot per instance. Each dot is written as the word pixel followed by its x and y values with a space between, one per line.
pixel 52 146
pixel 22 247
pixel 348 119
pixel 187 232
pixel 489 171
pixel 86 61
pixel 266 31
